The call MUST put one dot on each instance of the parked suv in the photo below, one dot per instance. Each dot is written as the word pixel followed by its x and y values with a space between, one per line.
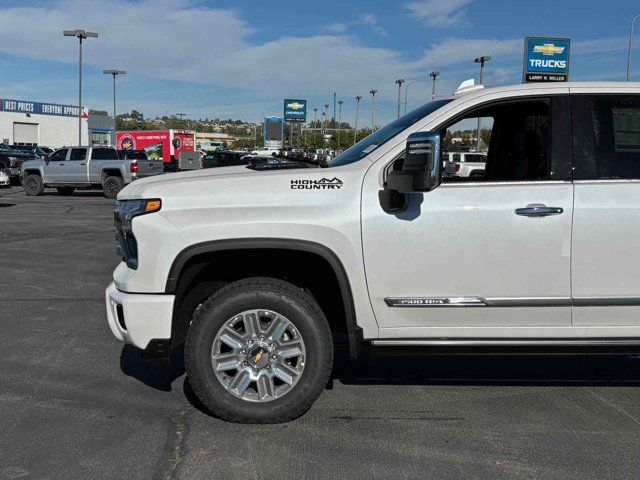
pixel 259 272
pixel 12 159
pixel 72 167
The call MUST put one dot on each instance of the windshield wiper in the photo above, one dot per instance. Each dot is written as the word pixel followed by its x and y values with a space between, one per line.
pixel 278 166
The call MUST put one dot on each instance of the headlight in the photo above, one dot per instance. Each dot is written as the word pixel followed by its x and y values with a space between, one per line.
pixel 126 211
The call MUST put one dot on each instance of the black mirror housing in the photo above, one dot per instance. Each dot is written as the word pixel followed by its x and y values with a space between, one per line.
pixel 422 170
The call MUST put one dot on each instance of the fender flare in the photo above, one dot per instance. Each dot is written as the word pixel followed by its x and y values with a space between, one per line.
pixel 354 332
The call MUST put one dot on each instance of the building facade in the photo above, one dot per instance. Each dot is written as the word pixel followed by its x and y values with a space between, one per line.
pixel 25 122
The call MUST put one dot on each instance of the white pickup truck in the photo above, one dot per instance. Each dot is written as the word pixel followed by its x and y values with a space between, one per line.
pixel 260 272
pixel 71 167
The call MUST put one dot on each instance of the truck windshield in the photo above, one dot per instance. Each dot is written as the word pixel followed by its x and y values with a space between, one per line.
pixel 375 140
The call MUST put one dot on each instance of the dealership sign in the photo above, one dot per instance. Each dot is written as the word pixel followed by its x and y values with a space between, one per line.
pixel 295 110
pixel 546 59
pixel 37 108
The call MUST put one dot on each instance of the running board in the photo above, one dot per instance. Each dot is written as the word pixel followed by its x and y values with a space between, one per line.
pixel 507 342
pixel 506 346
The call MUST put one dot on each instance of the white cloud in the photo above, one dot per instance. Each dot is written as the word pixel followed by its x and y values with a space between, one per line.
pixel 439 13
pixel 364 19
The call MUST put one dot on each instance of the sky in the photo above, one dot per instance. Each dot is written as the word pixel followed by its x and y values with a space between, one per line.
pixel 240 59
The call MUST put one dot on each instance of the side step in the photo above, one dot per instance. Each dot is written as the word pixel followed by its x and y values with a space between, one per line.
pixel 507 346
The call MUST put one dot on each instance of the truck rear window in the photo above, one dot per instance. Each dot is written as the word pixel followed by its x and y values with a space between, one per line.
pixel 104 154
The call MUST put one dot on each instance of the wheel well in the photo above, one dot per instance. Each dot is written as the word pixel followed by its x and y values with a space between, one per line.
pixel 111 173
pixel 203 274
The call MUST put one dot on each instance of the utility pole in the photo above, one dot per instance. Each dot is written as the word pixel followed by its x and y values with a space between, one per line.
pixel 373 109
pixel 114 73
pixel 326 120
pixel 481 60
pixel 340 102
pixel 355 127
pixel 631 47
pixel 334 107
pixel 80 35
pixel 433 86
pixel 400 81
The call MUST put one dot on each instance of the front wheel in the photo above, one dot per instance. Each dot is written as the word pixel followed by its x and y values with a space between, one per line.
pixel 111 186
pixel 259 351
pixel 33 185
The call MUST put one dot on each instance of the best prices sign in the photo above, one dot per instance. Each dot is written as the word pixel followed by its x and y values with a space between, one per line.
pixel 546 59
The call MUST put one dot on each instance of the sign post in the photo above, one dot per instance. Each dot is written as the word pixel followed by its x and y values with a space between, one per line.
pixel 546 59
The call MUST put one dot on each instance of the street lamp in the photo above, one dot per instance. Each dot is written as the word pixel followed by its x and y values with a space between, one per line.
pixel 80 35
pixel 481 60
pixel 114 73
pixel 355 127
pixel 340 102
pixel 399 82
pixel 325 121
pixel 631 47
pixel 433 87
pixel 373 109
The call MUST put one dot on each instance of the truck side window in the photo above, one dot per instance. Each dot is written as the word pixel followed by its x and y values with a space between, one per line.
pixel 104 154
pixel 606 136
pixel 59 155
pixel 78 154
pixel 514 142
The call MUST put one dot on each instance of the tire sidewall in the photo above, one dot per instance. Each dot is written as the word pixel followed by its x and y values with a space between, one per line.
pixel 37 188
pixel 317 355
pixel 117 182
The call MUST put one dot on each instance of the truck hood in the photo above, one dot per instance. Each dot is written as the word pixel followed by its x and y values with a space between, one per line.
pixel 158 183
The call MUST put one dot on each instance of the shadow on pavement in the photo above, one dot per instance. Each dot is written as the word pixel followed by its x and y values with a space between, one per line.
pixel 157 374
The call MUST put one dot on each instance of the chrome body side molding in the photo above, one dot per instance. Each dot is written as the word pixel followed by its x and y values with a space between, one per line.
pixel 431 302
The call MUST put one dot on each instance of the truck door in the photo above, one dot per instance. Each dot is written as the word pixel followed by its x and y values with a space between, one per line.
pixel 486 256
pixel 76 167
pixel 606 225
pixel 56 166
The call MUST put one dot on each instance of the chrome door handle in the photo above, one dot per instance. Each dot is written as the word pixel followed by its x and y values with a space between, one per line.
pixel 538 210
pixel 83 164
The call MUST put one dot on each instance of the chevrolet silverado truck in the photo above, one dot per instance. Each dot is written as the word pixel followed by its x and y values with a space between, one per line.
pixel 260 273
pixel 71 167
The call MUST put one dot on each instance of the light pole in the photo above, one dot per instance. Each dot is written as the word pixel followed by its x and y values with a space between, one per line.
pixel 80 35
pixel 481 60
pixel 315 121
pixel 340 102
pixel 355 127
pixel 114 73
pixel 631 47
pixel 373 109
pixel 433 86
pixel 326 120
pixel 399 82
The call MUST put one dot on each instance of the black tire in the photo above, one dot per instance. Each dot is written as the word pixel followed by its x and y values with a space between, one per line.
pixel 66 191
pixel 111 186
pixel 259 293
pixel 33 185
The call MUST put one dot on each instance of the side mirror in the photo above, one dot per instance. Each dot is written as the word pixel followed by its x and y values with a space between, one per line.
pixel 421 172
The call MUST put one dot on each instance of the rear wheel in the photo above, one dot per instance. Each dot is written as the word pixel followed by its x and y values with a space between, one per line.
pixel 259 351
pixel 66 191
pixel 111 186
pixel 33 185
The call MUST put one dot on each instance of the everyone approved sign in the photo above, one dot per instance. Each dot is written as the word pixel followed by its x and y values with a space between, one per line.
pixel 295 110
pixel 546 59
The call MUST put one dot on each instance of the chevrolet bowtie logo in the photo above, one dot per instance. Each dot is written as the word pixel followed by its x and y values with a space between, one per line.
pixel 548 49
pixel 295 105
pixel 258 356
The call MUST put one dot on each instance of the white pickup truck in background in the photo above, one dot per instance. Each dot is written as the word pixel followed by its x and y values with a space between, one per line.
pixel 465 164
pixel 102 167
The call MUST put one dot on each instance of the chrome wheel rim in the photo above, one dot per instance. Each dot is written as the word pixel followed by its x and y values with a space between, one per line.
pixel 258 355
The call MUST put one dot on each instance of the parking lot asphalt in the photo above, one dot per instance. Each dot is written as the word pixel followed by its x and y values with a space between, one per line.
pixel 77 404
